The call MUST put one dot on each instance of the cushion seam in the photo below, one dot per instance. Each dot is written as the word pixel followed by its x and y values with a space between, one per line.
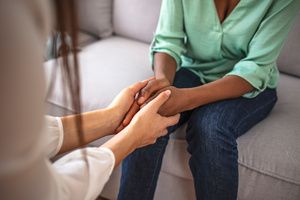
pixel 58 105
pixel 278 177
pixel 273 175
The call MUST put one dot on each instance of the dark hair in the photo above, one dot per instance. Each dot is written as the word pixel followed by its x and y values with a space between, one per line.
pixel 66 57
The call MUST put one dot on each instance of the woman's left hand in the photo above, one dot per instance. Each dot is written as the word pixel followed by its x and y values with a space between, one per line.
pixel 125 100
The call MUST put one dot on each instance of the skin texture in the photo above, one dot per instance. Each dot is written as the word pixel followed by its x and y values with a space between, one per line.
pixel 146 126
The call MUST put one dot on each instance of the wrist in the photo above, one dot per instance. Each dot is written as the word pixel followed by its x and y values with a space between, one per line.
pixel 193 98
pixel 130 135
pixel 161 75
pixel 121 145
pixel 165 79
pixel 112 119
pixel 124 141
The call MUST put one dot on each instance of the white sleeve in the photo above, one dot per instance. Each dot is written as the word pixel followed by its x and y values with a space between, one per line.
pixel 25 170
pixel 54 135
pixel 84 172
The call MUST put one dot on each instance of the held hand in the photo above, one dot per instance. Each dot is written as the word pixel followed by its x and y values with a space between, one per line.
pixel 150 89
pixel 177 102
pixel 147 125
pixel 125 100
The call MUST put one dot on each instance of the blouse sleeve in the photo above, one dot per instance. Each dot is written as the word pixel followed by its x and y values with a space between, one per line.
pixel 83 171
pixel 170 36
pixel 265 46
pixel 54 135
pixel 25 170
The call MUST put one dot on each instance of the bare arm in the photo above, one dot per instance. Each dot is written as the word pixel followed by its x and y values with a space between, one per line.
pixel 164 67
pixel 225 88
pixel 95 125
pixel 190 98
pixel 99 123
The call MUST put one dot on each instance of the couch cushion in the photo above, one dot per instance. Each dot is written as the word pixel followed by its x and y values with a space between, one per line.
pixel 95 17
pixel 136 19
pixel 270 149
pixel 85 39
pixel 107 67
pixel 289 59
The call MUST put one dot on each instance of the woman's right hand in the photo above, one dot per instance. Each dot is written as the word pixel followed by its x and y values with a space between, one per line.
pixel 147 125
pixel 144 129
pixel 152 87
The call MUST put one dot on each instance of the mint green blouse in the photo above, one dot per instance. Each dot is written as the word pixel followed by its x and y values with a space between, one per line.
pixel 246 44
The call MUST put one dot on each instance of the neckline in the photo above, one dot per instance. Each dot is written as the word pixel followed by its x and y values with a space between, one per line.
pixel 221 24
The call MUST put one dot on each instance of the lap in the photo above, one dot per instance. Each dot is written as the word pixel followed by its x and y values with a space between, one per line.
pixel 234 115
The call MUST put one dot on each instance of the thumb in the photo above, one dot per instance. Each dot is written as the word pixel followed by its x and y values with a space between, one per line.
pixel 170 121
pixel 135 88
pixel 158 101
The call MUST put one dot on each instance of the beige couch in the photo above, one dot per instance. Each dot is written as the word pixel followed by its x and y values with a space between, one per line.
pixel 269 154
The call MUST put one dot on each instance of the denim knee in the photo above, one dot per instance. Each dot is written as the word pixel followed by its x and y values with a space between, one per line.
pixel 210 134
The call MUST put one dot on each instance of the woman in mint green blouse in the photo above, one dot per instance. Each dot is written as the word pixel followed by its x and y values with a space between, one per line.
pixel 218 57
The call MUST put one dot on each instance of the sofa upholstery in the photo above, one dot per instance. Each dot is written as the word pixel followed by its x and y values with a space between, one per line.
pixel 95 17
pixel 136 19
pixel 269 154
pixel 289 59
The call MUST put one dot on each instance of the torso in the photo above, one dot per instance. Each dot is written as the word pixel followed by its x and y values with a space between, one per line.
pixel 219 33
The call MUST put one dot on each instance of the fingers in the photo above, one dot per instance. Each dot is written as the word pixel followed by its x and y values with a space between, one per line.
pixel 150 99
pixel 120 128
pixel 157 102
pixel 135 88
pixel 132 111
pixel 164 132
pixel 170 121
pixel 152 86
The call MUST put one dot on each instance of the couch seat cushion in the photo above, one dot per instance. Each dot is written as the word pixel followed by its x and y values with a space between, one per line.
pixel 85 39
pixel 107 67
pixel 270 148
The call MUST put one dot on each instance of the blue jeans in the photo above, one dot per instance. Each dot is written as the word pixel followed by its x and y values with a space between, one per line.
pixel 211 135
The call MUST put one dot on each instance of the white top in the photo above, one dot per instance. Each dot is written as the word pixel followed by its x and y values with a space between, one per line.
pixel 27 138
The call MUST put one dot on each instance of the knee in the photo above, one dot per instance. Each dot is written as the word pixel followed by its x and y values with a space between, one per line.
pixel 210 134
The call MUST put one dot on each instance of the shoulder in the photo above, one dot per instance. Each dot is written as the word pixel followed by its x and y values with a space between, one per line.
pixel 36 12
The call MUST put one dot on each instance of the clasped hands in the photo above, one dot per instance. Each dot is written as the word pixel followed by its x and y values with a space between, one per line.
pixel 174 105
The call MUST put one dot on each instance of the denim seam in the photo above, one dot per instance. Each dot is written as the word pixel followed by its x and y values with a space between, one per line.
pixel 151 182
pixel 259 108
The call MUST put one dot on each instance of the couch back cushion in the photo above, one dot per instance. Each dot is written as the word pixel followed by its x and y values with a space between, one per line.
pixel 136 19
pixel 95 17
pixel 289 59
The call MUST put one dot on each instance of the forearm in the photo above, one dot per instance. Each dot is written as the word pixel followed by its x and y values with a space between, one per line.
pixel 95 125
pixel 121 145
pixel 226 88
pixel 164 67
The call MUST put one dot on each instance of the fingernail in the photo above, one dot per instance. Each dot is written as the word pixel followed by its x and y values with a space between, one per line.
pixel 141 100
pixel 168 92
